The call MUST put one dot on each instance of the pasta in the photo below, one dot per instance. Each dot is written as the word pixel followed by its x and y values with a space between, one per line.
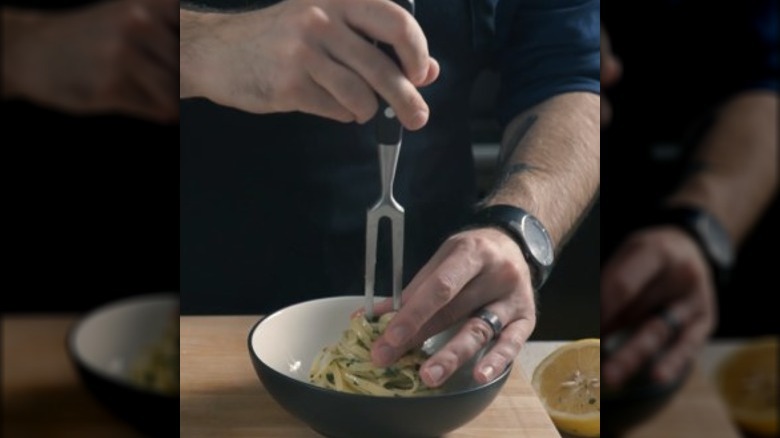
pixel 157 368
pixel 346 366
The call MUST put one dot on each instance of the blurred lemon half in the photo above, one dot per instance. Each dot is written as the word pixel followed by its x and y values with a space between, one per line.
pixel 747 380
pixel 568 383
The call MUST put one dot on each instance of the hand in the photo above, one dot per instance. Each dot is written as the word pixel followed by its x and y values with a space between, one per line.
pixel 476 269
pixel 658 268
pixel 118 56
pixel 311 56
pixel 611 70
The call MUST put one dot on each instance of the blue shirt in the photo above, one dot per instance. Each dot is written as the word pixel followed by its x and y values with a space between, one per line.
pixel 273 207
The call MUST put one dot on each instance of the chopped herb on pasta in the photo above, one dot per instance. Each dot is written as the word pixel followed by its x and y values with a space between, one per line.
pixel 346 366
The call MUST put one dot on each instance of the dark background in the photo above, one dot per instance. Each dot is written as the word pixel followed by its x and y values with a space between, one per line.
pixel 90 209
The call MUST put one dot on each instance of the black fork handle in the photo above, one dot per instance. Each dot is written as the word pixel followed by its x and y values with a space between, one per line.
pixel 388 128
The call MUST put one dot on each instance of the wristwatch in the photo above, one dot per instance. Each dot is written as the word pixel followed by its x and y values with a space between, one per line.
pixel 527 231
pixel 707 232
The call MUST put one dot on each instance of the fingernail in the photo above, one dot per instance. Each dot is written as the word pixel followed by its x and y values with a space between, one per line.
pixel 435 372
pixel 397 335
pixel 488 372
pixel 384 354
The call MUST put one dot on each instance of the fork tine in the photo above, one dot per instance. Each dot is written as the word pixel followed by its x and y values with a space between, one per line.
pixel 397 223
pixel 372 225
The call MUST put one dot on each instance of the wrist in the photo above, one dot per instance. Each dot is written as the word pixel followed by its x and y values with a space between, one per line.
pixel 527 232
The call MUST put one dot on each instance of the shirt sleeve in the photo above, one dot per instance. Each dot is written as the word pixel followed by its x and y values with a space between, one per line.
pixel 545 48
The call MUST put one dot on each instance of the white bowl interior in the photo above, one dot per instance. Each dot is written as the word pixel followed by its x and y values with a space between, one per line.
pixel 289 340
pixel 111 338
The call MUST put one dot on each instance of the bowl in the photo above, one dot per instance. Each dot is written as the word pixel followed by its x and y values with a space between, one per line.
pixel 638 400
pixel 104 346
pixel 283 346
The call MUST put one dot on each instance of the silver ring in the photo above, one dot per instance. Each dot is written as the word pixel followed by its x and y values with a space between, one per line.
pixel 492 320
pixel 671 321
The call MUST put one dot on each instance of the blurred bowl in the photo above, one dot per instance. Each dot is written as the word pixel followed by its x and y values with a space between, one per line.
pixel 637 401
pixel 108 341
pixel 283 346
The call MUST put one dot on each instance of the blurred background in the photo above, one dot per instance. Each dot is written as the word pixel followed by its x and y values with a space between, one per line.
pixel 91 210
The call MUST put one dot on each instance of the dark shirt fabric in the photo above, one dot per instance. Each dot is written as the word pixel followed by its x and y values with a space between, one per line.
pixel 91 207
pixel 681 59
pixel 273 207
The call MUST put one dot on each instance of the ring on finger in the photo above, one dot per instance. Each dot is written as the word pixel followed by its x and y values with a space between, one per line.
pixel 671 321
pixel 492 320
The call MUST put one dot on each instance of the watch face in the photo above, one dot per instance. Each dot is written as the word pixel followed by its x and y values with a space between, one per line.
pixel 538 241
pixel 716 239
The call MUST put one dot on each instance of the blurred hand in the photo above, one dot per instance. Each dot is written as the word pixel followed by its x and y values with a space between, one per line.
pixel 656 269
pixel 310 56
pixel 476 269
pixel 611 70
pixel 117 56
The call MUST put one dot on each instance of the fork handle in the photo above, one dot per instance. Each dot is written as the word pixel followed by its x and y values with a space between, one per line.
pixel 388 128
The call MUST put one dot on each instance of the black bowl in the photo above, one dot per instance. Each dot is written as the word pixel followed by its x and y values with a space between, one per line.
pixel 637 401
pixel 106 343
pixel 283 345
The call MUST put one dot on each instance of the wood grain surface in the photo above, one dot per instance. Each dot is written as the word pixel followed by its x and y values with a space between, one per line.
pixel 42 394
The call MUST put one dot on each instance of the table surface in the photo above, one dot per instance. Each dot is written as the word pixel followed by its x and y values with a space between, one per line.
pixel 42 394
pixel 222 396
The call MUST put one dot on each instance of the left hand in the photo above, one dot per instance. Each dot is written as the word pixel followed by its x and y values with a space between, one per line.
pixel 475 269
pixel 656 268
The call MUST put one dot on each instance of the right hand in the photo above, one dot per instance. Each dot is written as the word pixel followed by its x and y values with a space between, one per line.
pixel 611 71
pixel 114 57
pixel 312 56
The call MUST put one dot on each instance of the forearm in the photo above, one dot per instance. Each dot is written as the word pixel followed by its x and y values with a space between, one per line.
pixel 193 25
pixel 550 162
pixel 736 164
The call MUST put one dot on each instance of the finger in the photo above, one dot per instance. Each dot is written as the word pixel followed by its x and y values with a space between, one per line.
pixel 157 85
pixel 445 282
pixel 625 275
pixel 387 22
pixel 433 73
pixel 472 337
pixel 690 341
pixel 346 87
pixel 168 10
pixel 606 112
pixel 505 350
pixel 611 67
pixel 381 73
pixel 646 343
pixel 677 282
pixel 422 275
pixel 320 102
pixel 148 31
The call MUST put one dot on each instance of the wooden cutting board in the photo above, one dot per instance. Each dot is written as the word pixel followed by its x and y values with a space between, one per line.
pixel 42 394
pixel 221 396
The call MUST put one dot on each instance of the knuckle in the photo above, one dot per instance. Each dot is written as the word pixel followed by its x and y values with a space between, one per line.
pixel 479 331
pixel 443 289
pixel 314 19
pixel 402 26
pixel 448 358
pixel 617 287
pixel 136 16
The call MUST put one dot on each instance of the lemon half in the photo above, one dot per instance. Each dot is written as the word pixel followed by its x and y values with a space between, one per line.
pixel 568 383
pixel 747 380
